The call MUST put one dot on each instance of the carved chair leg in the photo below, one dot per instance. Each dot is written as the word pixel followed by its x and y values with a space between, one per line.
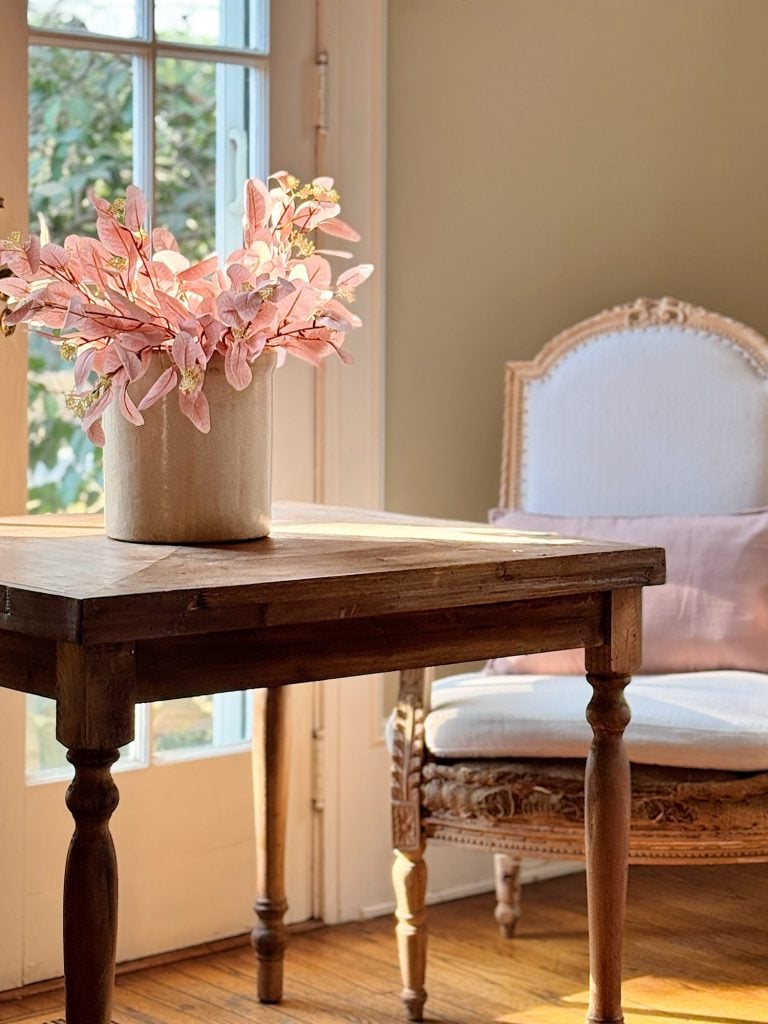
pixel 270 787
pixel 409 876
pixel 508 892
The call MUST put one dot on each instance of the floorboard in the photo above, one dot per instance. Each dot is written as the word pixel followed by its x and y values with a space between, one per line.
pixel 696 949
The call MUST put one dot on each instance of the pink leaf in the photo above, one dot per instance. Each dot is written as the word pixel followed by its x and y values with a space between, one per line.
pixel 165 382
pixel 340 229
pixel 163 239
pixel 333 308
pixel 130 361
pixel 126 307
pixel 334 252
pixel 236 367
pixel 14 286
pixel 311 214
pixel 127 406
pixel 301 304
pixel 135 208
pixel 354 276
pixel 116 239
pixel 256 208
pixel 54 256
pixel 281 177
pixel 25 311
pixel 97 409
pixel 99 204
pixel 95 433
pixel 195 408
pixel 237 308
pixel 83 365
pixel 186 350
pixel 200 269
pixel 318 271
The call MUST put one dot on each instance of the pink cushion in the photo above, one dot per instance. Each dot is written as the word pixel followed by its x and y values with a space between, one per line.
pixel 711 614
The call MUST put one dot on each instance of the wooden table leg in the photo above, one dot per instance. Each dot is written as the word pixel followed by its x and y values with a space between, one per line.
pixel 94 717
pixel 90 890
pixel 270 789
pixel 607 802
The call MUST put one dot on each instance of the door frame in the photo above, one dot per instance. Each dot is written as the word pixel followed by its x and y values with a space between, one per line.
pixel 351 74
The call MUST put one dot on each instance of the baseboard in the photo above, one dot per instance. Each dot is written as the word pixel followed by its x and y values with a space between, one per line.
pixel 158 960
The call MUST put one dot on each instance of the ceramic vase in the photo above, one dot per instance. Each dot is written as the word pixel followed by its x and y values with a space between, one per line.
pixel 167 483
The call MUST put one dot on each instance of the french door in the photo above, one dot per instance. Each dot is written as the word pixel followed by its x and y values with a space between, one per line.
pixel 184 828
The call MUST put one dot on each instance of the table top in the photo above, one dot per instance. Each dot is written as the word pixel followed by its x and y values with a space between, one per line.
pixel 61 578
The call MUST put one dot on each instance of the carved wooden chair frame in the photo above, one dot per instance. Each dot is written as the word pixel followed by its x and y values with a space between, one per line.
pixel 523 807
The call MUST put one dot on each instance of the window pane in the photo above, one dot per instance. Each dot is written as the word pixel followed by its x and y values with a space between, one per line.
pixel 195 23
pixel 191 724
pixel 80 136
pixel 203 151
pixel 185 154
pixel 241 24
pixel 45 756
pixel 107 17
pixel 182 724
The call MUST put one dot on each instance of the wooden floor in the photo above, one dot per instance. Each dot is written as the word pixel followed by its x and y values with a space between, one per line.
pixel 696 954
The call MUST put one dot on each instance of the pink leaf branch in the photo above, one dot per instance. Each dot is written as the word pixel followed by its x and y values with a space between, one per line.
pixel 117 302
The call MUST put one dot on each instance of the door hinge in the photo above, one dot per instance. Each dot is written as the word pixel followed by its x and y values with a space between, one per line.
pixel 318 751
pixel 321 66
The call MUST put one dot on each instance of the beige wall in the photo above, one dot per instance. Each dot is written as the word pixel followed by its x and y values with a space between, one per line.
pixel 549 158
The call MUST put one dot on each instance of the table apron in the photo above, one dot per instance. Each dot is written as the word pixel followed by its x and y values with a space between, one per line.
pixel 312 651
pixel 178 666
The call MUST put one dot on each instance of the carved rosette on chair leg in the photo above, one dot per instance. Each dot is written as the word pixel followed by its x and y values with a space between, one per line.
pixel 270 788
pixel 607 803
pixel 90 890
pixel 508 909
pixel 409 877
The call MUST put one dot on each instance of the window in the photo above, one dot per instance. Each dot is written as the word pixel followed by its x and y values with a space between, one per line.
pixel 171 96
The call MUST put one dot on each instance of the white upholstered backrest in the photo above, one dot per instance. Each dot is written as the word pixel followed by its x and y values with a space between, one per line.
pixel 652 407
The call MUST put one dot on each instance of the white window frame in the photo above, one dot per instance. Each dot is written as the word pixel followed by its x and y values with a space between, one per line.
pixel 146 48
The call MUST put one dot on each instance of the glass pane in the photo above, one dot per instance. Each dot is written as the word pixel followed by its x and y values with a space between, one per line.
pixel 45 756
pixel 107 17
pixel 80 135
pixel 203 151
pixel 185 155
pixel 211 22
pixel 192 23
pixel 182 724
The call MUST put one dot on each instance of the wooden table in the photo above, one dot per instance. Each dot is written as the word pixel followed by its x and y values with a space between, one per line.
pixel 101 625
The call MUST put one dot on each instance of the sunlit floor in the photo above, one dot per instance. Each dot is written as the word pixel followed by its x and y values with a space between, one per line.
pixel 697 940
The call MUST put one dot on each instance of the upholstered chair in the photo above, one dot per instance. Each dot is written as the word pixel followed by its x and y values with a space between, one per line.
pixel 647 423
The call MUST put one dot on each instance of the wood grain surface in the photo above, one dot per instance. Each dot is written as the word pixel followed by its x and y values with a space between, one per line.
pixel 61 578
pixel 698 959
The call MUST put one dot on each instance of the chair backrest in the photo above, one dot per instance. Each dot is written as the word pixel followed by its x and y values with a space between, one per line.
pixel 651 407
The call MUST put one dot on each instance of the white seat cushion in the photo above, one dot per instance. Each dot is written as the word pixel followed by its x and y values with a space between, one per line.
pixel 715 720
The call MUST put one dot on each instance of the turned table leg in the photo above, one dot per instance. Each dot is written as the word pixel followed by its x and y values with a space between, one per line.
pixel 270 788
pixel 95 690
pixel 90 890
pixel 607 803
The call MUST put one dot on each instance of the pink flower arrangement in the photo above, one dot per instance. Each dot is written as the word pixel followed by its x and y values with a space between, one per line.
pixel 112 303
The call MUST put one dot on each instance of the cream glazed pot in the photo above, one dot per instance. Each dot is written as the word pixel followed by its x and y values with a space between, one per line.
pixel 167 483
